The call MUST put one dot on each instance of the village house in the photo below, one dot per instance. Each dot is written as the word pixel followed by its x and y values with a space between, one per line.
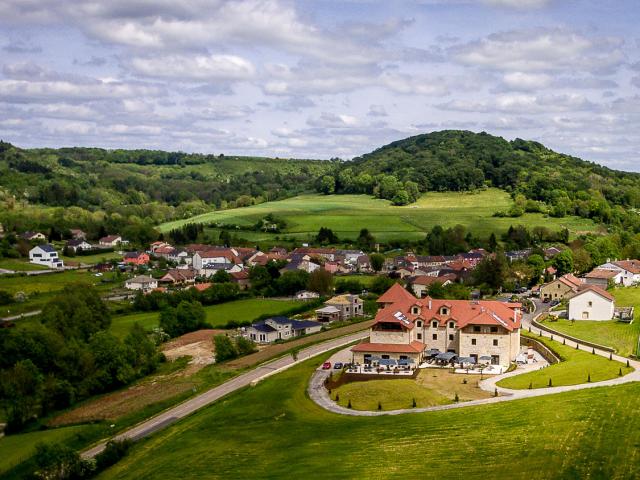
pixel 165 251
pixel 180 256
pixel 77 234
pixel 136 258
pixel 111 241
pixel 340 308
pixel 420 284
pixel 280 328
pixel 560 288
pixel 630 270
pixel 300 262
pixel 601 277
pixel 78 244
pixel 306 295
pixel 406 328
pixel 141 282
pixel 241 279
pixel 205 259
pixel 326 253
pixel 179 276
pixel 591 303
pixel 515 255
pixel 33 236
pixel 45 255
pixel 363 264
pixel 156 245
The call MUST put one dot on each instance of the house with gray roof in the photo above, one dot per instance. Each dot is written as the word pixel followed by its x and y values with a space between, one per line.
pixel 281 328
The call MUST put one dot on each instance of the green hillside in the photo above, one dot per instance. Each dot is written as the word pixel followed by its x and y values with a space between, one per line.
pixel 347 214
pixel 274 430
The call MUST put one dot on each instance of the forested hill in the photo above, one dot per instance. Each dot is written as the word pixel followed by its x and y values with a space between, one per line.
pixel 460 160
pixel 117 188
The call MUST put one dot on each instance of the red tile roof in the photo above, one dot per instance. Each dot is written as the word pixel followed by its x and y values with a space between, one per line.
pixel 595 289
pixel 632 266
pixel 395 294
pixel 601 273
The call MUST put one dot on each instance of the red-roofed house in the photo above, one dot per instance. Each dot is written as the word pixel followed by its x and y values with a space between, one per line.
pixel 136 258
pixel 421 283
pixel 561 288
pixel 591 303
pixel 629 269
pixel 406 327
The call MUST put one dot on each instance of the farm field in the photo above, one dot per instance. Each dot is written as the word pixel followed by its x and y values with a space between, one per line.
pixel 575 368
pixel 621 336
pixel 347 214
pixel 274 431
pixel 431 387
pixel 217 315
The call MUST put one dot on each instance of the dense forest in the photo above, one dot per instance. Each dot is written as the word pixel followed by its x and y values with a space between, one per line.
pixel 539 179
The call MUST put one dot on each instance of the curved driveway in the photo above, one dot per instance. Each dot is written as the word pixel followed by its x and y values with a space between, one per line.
pixel 319 394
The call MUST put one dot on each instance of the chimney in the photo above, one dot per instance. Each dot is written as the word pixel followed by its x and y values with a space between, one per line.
pixel 429 303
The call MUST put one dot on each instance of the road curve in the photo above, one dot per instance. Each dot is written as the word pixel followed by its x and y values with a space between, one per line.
pixel 262 371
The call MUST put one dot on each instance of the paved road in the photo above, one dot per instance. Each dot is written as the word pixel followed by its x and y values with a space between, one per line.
pixel 174 414
pixel 319 394
pixel 22 315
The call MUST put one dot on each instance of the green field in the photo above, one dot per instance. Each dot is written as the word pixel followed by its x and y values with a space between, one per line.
pixel 575 368
pixel 20 265
pixel 17 448
pixel 92 259
pixel 621 336
pixel 274 431
pixel 347 214
pixel 217 315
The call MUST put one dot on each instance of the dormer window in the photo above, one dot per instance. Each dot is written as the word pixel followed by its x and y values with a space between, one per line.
pixel 452 325
pixel 434 324
pixel 415 310
pixel 418 324
pixel 444 311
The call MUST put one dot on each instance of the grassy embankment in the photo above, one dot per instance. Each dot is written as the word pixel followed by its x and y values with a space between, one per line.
pixel 274 431
pixel 347 214
pixel 575 368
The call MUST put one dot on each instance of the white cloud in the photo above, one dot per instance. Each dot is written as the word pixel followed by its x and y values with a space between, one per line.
pixel 194 67
pixel 542 50
pixel 518 4
pixel 377 111
pixel 332 120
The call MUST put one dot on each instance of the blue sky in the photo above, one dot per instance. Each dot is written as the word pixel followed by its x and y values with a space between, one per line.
pixel 322 78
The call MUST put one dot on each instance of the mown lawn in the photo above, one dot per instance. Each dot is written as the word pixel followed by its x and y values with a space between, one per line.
pixel 431 387
pixel 274 431
pixel 217 315
pixel 621 336
pixel 347 214
pixel 92 259
pixel 575 368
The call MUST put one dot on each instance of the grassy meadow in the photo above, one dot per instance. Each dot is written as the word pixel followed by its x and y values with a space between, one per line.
pixel 217 315
pixel 20 265
pixel 575 368
pixel 273 430
pixel 347 214
pixel 621 336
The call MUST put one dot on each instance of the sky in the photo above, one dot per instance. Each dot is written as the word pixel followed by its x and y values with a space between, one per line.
pixel 320 78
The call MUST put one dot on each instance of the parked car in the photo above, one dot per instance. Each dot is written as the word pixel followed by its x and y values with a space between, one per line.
pixel 326 365
pixel 554 303
pixel 337 366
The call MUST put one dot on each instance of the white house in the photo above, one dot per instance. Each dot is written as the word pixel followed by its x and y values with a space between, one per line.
pixel 141 282
pixel 591 303
pixel 45 255
pixel 630 270
pixel 80 244
pixel 306 295
pixel 281 328
pixel 111 241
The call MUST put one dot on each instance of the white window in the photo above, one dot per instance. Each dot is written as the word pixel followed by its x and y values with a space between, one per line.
pixel 434 324
pixel 452 325
pixel 418 324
